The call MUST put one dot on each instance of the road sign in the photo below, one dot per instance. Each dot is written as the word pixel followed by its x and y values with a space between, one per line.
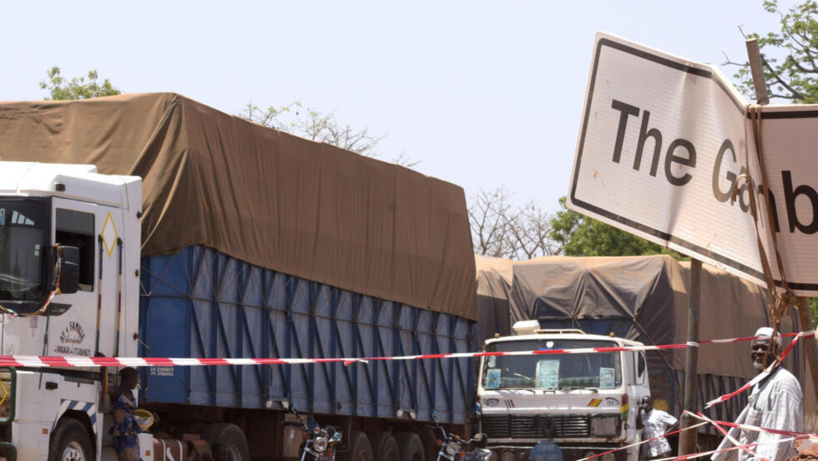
pixel 661 154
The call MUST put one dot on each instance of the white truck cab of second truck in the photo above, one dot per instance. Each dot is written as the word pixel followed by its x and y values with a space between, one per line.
pixel 586 403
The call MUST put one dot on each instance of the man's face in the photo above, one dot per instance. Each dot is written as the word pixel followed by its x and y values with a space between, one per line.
pixel 130 381
pixel 647 403
pixel 758 350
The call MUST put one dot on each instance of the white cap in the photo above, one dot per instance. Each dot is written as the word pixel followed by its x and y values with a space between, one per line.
pixel 766 332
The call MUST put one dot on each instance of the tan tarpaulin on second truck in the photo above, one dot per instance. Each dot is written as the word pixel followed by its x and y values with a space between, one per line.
pixel 644 298
pixel 274 200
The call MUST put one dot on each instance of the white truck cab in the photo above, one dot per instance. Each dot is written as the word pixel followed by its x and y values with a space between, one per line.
pixel 64 229
pixel 586 403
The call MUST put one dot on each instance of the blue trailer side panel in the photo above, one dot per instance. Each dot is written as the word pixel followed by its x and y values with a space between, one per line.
pixel 202 303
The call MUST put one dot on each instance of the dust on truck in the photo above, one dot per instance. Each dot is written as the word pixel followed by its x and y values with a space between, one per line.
pixel 584 402
pixel 154 226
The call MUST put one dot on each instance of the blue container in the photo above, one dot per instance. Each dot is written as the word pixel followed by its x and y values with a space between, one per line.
pixel 199 302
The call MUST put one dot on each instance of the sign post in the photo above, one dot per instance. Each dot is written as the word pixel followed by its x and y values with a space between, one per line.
pixel 689 439
pixel 666 152
pixel 804 319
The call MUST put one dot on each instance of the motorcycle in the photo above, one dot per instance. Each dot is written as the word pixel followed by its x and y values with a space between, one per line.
pixel 452 445
pixel 321 441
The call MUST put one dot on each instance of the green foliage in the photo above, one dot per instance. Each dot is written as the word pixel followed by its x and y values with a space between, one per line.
pixel 88 87
pixel 813 310
pixel 582 236
pixel 789 56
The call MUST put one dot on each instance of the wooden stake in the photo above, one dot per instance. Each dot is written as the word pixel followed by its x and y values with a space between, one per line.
pixel 688 439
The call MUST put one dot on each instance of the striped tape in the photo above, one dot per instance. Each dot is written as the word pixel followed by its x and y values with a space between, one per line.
pixel 790 436
pixel 758 377
pixel 40 361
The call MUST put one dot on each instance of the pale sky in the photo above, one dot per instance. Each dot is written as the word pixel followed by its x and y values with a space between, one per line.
pixel 483 93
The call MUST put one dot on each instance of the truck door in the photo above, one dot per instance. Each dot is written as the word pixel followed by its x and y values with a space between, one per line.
pixel 84 323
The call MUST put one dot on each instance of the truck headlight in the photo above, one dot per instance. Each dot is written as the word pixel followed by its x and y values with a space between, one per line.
pixel 320 444
pixel 452 448
pixel 605 426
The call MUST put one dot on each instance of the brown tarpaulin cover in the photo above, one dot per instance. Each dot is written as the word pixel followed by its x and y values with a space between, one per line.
pixel 494 314
pixel 274 200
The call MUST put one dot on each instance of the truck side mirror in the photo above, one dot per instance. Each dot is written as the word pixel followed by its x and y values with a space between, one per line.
pixel 69 270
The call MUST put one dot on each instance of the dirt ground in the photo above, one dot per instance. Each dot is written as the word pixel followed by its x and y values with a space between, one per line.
pixel 807 450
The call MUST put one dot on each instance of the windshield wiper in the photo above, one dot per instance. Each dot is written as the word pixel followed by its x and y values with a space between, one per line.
pixel 576 388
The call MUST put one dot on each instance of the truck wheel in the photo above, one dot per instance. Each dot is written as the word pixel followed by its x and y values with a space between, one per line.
pixel 70 442
pixel 411 448
pixel 429 440
pixel 384 446
pixel 359 448
pixel 228 442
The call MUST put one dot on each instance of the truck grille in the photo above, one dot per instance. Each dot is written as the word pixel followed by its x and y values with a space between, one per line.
pixel 536 426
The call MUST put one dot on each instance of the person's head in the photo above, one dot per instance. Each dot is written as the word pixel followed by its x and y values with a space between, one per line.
pixel 759 346
pixel 647 403
pixel 128 378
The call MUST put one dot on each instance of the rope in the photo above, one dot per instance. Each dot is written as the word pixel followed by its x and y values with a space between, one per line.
pixel 781 300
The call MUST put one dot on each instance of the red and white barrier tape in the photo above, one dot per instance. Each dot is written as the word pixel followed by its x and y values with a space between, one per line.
pixel 748 427
pixel 790 437
pixel 644 441
pixel 757 379
pixel 727 435
pixel 91 362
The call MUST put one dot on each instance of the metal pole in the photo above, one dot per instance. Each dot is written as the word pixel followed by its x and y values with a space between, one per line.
pixel 689 439
pixel 804 319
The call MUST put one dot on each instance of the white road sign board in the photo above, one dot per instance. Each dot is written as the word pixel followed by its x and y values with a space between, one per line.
pixel 662 146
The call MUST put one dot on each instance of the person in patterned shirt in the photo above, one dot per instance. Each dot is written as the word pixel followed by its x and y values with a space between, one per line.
pixel 125 429
pixel 655 424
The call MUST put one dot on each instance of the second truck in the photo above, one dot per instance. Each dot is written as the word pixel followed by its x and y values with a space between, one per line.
pixel 586 402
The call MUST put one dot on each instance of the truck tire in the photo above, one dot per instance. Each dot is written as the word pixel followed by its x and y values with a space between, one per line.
pixel 429 440
pixel 384 446
pixel 71 442
pixel 411 448
pixel 359 448
pixel 227 441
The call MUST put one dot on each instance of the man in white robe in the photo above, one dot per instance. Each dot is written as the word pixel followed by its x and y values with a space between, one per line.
pixel 777 402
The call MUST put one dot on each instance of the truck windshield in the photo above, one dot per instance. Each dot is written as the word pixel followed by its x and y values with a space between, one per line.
pixel 23 249
pixel 557 371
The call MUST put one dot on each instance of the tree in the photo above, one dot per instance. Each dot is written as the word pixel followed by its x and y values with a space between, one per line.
pixel 790 56
pixel 502 230
pixel 579 235
pixel 77 88
pixel 319 126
